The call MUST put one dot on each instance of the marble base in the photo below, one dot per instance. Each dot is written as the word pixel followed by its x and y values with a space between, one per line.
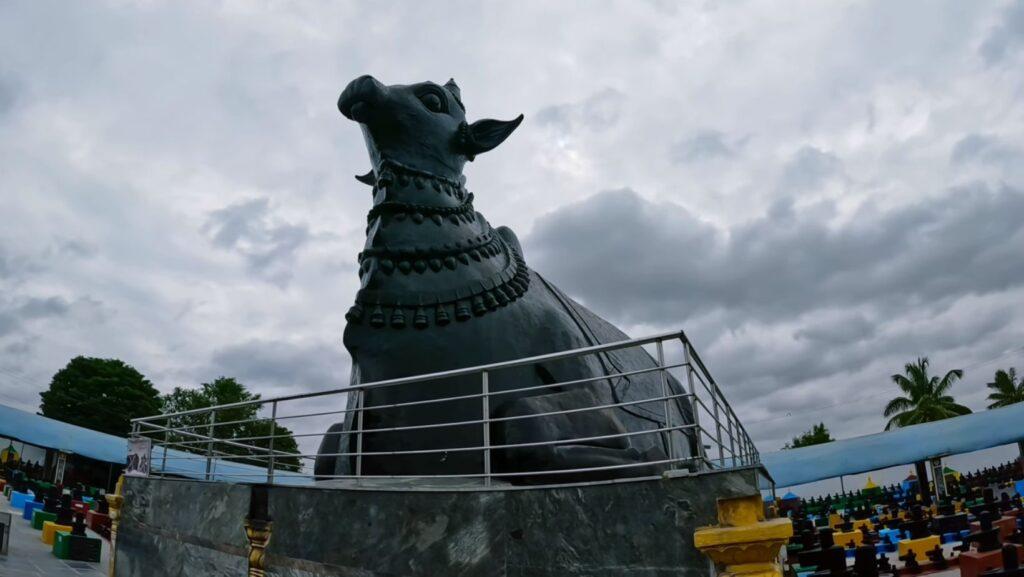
pixel 625 529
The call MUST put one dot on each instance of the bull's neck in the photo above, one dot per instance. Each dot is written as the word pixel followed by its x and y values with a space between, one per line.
pixel 429 256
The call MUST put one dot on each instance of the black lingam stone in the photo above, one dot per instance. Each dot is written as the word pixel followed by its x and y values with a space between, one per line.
pixel 814 557
pixel 987 538
pixel 846 525
pixel 864 562
pixel 917 526
pixel 884 566
pixel 868 536
pixel 51 501
pixel 1005 504
pixel 1011 564
pixel 988 502
pixel 937 557
pixel 64 511
pixel 832 558
pixel 951 522
pixel 910 563
pixel 441 289
pixel 78 526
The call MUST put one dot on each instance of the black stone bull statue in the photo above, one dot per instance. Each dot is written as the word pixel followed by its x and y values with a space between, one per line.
pixel 441 289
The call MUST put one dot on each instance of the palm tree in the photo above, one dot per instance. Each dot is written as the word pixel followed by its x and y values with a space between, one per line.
pixel 1006 391
pixel 926 397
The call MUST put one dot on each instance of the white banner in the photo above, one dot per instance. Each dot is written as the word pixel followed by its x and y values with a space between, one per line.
pixel 140 455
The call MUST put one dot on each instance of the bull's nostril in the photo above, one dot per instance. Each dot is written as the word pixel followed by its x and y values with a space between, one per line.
pixel 366 91
pixel 359 111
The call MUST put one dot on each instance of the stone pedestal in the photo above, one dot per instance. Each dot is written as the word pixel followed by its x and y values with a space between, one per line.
pixel 863 523
pixel 50 530
pixel 920 547
pixel 973 564
pixel 1005 524
pixel 98 522
pixel 618 529
pixel 29 508
pixel 744 543
pixel 843 539
pixel 40 517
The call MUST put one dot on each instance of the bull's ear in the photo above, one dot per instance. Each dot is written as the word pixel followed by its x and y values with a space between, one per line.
pixel 369 178
pixel 484 135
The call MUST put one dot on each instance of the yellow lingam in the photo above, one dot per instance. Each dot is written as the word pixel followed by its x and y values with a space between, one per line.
pixel 744 543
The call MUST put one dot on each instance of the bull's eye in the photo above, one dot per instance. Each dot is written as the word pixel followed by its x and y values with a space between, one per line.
pixel 432 101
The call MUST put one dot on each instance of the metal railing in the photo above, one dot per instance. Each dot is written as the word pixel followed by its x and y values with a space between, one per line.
pixel 687 418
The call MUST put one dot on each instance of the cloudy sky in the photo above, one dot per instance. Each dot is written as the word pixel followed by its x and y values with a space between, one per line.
pixel 817 194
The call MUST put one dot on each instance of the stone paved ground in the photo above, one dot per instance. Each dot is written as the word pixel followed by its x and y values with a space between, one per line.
pixel 28 556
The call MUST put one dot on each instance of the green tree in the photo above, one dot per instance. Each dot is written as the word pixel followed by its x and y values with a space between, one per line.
pixel 240 424
pixel 816 435
pixel 1006 390
pixel 926 398
pixel 99 394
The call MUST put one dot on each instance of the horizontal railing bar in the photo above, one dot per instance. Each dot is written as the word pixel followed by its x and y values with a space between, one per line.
pixel 511 445
pixel 481 475
pixel 229 456
pixel 229 443
pixel 434 401
pixel 494 419
pixel 606 347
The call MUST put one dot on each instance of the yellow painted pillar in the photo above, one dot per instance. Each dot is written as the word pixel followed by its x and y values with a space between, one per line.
pixel 115 501
pixel 258 534
pixel 744 544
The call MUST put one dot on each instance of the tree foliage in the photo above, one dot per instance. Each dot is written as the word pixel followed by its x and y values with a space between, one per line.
pixel 816 435
pixel 926 398
pixel 240 424
pixel 99 394
pixel 1006 389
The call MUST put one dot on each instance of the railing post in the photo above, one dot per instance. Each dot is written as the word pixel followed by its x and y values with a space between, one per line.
pixel 209 444
pixel 273 431
pixel 359 432
pixel 732 438
pixel 693 404
pixel 668 406
pixel 718 429
pixel 167 435
pixel 486 392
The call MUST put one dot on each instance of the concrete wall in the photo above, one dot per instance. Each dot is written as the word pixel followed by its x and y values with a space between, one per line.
pixel 634 529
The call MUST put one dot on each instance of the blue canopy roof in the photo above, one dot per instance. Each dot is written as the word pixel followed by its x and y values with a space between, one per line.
pixel 51 434
pixel 964 434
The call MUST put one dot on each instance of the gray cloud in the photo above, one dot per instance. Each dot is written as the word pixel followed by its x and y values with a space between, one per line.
pixel 657 257
pixel 809 169
pixel 8 94
pixel 268 246
pixel 846 329
pixel 705 145
pixel 1006 36
pixel 282 365
pixel 596 112
pixel 14 314
pixel 983 148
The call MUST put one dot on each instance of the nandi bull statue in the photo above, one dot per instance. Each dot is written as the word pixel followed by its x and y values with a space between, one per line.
pixel 441 289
